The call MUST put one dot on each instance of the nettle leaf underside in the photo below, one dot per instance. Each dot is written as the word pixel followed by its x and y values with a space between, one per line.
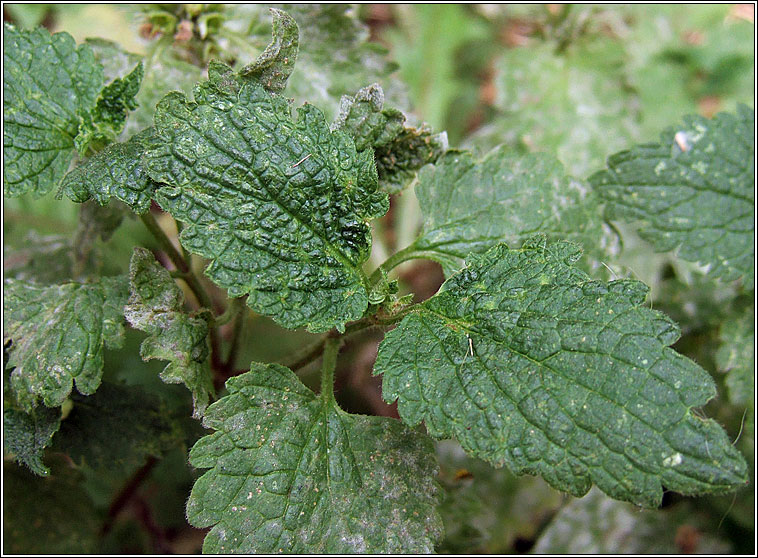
pixel 156 306
pixel 57 335
pixel 280 206
pixel 529 363
pixel 290 472
pixel 693 192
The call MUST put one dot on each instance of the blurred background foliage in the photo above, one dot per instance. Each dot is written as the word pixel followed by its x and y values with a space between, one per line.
pixel 578 81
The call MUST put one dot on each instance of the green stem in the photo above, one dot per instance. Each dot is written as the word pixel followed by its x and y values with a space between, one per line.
pixel 239 305
pixel 232 309
pixel 331 350
pixel 408 253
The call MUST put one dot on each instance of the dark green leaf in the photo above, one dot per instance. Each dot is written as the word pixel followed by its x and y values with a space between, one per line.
pixel 26 435
pixel 95 433
pixel 470 205
pixel 49 515
pixel 693 192
pixel 400 151
pixel 293 473
pixel 280 207
pixel 116 171
pixel 275 64
pixel 364 118
pixel 156 306
pixel 49 85
pixel 528 362
pixel 109 114
pixel 57 335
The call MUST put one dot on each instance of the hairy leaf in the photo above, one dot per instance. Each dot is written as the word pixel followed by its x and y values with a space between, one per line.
pixel 156 306
pixel 26 435
pixel 57 334
pixel 94 432
pixel 49 85
pixel 693 191
pixel 470 205
pixel 275 64
pixel 116 171
pixel 528 362
pixel 293 473
pixel 736 356
pixel 280 207
pixel 400 151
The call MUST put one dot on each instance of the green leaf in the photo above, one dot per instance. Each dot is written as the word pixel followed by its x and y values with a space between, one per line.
pixel 57 335
pixel 736 356
pixel 275 64
pixel 280 207
pixel 364 117
pixel 596 524
pixel 333 56
pixel 528 362
pixel 156 306
pixel 293 473
pixel 94 432
pixel 26 435
pixel 50 86
pixel 40 259
pixel 109 114
pixel 116 61
pixel 116 171
pixel 574 104
pixel 488 510
pixel 693 191
pixel 470 205
pixel 398 162
pixel 400 151
pixel 50 515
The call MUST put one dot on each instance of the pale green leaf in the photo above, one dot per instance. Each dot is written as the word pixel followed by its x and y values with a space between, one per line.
pixel 694 192
pixel 116 171
pixel 26 435
pixel 573 104
pixel 596 524
pixel 275 64
pixel 293 473
pixel 116 61
pixel 470 205
pixel 57 334
pixel 736 356
pixel 529 363
pixel 280 207
pixel 334 55
pixel 156 306
pixel 50 86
